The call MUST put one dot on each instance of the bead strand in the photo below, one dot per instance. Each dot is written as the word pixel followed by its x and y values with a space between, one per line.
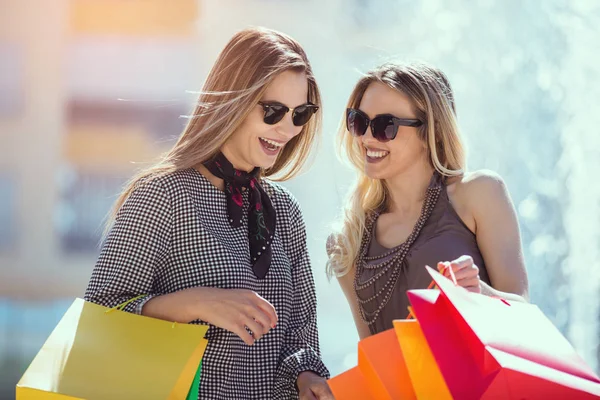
pixel 398 254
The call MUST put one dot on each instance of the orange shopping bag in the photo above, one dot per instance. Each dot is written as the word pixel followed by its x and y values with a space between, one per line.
pixel 381 373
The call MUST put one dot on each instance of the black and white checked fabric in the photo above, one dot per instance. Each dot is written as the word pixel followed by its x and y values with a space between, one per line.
pixel 174 233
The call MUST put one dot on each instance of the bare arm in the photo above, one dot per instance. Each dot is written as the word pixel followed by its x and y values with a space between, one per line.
pixel 173 306
pixel 498 236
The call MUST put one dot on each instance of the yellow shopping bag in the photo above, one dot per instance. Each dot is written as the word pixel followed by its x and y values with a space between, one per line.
pixel 97 353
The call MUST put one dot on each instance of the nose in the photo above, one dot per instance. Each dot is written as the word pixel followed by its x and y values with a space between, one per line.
pixel 286 126
pixel 368 138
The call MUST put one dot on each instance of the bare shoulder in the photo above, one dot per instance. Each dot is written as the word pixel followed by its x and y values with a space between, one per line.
pixel 476 194
pixel 481 184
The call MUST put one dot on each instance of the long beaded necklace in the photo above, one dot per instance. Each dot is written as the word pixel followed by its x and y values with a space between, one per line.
pixel 398 254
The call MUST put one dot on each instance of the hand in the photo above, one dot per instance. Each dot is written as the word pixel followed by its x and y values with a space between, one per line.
pixel 313 387
pixel 235 310
pixel 465 272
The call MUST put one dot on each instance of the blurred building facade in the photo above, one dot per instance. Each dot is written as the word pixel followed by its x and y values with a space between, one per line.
pixel 92 90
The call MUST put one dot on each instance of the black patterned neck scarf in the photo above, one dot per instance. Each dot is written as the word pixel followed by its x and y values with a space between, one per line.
pixel 261 214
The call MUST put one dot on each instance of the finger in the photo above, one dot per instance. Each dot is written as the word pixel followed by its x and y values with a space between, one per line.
pixel 322 391
pixel 468 282
pixel 441 267
pixel 474 289
pixel 467 273
pixel 327 396
pixel 461 262
pixel 257 329
pixel 266 307
pixel 255 307
pixel 308 395
pixel 464 259
pixel 263 320
pixel 447 270
pixel 241 331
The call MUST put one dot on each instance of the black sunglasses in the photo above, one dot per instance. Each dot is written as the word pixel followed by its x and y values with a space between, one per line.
pixel 274 112
pixel 383 127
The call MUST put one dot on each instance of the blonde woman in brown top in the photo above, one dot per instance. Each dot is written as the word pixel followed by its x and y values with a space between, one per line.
pixel 414 204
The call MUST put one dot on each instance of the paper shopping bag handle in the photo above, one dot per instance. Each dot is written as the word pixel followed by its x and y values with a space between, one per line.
pixel 122 306
pixel 432 285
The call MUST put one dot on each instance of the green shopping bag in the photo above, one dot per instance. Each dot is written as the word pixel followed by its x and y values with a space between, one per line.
pixel 193 394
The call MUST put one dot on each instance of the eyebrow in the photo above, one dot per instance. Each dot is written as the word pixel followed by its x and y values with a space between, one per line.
pixel 283 104
pixel 386 114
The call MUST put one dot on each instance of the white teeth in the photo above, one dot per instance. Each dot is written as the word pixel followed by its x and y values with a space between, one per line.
pixel 377 154
pixel 271 142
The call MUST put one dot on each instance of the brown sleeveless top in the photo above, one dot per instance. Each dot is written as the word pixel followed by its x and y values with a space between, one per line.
pixel 384 275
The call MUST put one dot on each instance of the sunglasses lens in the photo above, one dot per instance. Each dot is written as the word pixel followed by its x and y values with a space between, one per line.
pixel 384 128
pixel 303 114
pixel 356 123
pixel 274 114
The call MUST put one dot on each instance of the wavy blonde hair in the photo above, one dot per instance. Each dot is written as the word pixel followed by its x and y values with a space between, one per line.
pixel 431 94
pixel 245 67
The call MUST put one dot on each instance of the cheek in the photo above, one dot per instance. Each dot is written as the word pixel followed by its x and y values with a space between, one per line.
pixel 248 133
pixel 405 152
pixel 297 130
pixel 409 145
pixel 400 147
pixel 253 126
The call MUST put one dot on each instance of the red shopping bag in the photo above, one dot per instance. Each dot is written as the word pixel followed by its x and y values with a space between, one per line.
pixel 492 348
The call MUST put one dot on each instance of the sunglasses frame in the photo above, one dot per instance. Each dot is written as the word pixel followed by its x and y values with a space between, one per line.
pixel 398 122
pixel 267 106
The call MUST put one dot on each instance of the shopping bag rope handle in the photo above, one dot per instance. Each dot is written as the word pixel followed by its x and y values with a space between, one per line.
pixel 432 285
pixel 122 306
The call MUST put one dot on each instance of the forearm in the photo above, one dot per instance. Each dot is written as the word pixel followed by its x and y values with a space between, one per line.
pixel 490 291
pixel 176 307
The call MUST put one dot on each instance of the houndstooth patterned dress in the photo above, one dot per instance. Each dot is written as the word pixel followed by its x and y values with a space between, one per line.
pixel 174 233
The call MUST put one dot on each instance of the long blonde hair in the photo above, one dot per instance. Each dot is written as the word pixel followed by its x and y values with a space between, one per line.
pixel 430 91
pixel 236 82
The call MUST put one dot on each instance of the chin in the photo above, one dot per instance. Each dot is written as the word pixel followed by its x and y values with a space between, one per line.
pixel 376 173
pixel 266 165
pixel 264 161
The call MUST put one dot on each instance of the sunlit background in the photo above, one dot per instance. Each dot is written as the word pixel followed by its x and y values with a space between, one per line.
pixel 91 90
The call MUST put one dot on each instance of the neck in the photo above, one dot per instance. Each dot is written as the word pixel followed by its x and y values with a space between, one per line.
pixel 407 190
pixel 236 161
pixel 217 182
